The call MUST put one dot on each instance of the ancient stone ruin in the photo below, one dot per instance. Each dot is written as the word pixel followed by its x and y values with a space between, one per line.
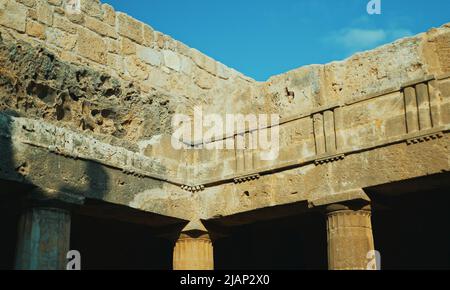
pixel 87 97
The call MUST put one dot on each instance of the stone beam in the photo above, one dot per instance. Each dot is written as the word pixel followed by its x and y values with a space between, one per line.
pixel 333 181
pixel 78 164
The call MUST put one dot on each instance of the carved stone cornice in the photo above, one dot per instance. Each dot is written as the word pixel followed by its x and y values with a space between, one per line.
pixel 246 178
pixel 329 159
pixel 424 138
pixel 193 188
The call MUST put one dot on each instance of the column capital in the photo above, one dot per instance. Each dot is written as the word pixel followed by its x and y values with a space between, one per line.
pixel 199 227
pixel 194 226
pixel 355 199
pixel 194 229
pixel 359 206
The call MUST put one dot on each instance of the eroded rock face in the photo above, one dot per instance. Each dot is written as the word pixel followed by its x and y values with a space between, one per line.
pixel 37 84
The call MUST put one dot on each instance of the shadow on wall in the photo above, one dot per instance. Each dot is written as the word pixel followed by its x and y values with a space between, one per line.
pixel 27 77
pixel 6 150
pixel 15 185
pixel 98 229
pixel 8 206
pixel 98 182
pixel 10 169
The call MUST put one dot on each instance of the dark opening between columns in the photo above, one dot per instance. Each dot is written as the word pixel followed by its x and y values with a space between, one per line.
pixel 297 242
pixel 111 236
pixel 11 194
pixel 9 217
pixel 111 244
pixel 411 223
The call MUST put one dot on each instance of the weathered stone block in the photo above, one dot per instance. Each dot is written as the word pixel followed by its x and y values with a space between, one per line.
pixel 64 24
pixel 32 14
pixel 149 38
pixel 44 12
pixel 186 65
pixel 35 29
pixel 70 57
pixel 100 27
pixel 91 46
pixel 127 46
pixel 203 79
pixel 13 15
pixel 130 27
pixel 222 71
pixel 60 38
pixel 59 10
pixel 77 18
pixel 210 65
pixel 29 3
pixel 203 61
pixel 92 8
pixel 112 45
pixel 109 14
pixel 115 62
pixel 149 55
pixel 170 43
pixel 197 57
pixel 183 49
pixel 55 2
pixel 443 51
pixel 159 39
pixel 157 79
pixel 172 60
pixel 135 67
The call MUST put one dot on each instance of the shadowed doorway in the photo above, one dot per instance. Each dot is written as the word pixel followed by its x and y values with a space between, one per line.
pixel 296 242
pixel 411 223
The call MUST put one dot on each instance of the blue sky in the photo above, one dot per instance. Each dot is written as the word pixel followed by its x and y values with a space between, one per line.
pixel 261 38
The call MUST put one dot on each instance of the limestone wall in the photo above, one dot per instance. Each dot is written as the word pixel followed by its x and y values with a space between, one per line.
pixel 132 60
pixel 361 102
pixel 105 79
pixel 360 75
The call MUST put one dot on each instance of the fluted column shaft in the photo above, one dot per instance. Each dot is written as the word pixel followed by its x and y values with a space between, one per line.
pixel 44 239
pixel 350 239
pixel 193 251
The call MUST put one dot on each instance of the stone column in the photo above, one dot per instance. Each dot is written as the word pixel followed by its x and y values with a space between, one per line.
pixel 43 233
pixel 350 239
pixel 193 250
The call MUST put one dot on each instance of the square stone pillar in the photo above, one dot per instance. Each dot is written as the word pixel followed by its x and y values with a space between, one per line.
pixel 44 231
pixel 193 249
pixel 350 239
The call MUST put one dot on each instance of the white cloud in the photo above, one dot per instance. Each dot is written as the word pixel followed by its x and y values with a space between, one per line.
pixel 358 39
pixel 355 37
